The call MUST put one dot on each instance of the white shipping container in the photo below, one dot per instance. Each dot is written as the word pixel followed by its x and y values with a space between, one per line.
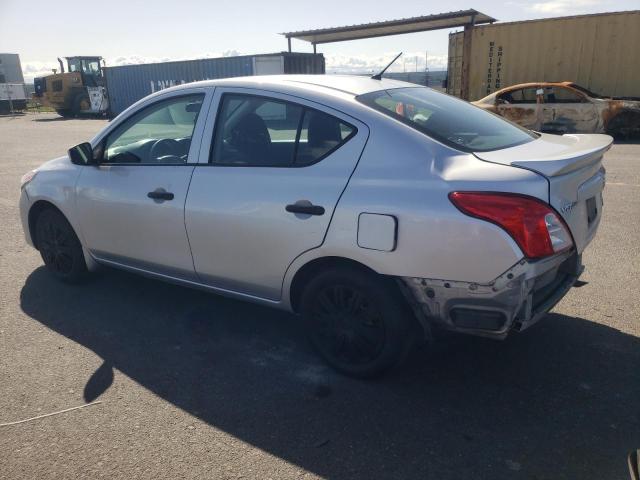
pixel 12 91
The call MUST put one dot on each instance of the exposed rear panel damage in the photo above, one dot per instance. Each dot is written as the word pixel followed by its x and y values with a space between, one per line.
pixel 512 302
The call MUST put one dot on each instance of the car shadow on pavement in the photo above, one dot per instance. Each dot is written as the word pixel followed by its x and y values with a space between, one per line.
pixel 561 401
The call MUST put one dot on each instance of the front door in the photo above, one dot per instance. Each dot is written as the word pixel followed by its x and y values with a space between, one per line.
pixel 265 190
pixel 131 206
pixel 521 106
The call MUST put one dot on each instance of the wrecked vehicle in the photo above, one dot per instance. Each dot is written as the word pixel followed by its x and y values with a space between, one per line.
pixel 375 209
pixel 564 107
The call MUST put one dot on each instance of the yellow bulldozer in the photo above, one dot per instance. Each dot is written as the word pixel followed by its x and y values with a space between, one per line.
pixel 78 91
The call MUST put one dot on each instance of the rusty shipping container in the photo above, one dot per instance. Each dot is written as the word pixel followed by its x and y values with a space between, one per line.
pixel 600 52
pixel 127 84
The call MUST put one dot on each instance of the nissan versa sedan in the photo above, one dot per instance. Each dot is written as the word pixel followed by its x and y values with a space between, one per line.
pixel 377 210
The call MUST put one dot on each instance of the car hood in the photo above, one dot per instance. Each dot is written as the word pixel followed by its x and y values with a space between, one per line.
pixel 59 163
pixel 552 155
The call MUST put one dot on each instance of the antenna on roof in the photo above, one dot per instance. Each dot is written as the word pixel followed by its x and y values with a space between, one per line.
pixel 378 76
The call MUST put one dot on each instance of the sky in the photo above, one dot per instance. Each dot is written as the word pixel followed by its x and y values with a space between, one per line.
pixel 131 31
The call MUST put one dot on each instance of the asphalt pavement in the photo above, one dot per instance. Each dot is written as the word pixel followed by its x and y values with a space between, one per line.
pixel 191 385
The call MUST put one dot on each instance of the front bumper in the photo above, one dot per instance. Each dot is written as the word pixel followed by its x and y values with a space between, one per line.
pixel 25 205
pixel 514 301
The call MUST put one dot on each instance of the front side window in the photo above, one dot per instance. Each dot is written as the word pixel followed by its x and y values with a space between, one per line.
pixel 91 67
pixel 266 132
pixel 522 95
pixel 74 65
pixel 447 119
pixel 160 133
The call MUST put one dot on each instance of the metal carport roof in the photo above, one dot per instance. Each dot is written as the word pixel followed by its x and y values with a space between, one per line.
pixel 391 27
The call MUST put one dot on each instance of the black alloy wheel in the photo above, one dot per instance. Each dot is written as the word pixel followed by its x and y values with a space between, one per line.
pixel 356 320
pixel 347 324
pixel 59 246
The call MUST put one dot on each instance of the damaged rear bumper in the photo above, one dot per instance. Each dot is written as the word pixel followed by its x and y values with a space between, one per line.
pixel 514 301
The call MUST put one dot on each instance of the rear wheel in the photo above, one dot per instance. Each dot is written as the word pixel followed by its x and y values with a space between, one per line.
pixel 59 246
pixel 624 126
pixel 356 320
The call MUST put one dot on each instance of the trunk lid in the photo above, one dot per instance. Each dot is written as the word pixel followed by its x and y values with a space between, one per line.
pixel 572 164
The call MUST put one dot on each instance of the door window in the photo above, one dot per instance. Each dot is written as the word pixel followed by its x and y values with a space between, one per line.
pixel 159 134
pixel 522 95
pixel 266 132
pixel 561 95
pixel 320 135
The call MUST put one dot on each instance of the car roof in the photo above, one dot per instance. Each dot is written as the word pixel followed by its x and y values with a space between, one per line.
pixel 536 84
pixel 519 86
pixel 338 84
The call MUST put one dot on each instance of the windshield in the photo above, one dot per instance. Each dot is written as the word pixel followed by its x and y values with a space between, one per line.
pixel 447 119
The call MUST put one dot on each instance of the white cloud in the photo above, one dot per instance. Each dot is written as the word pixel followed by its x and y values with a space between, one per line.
pixel 339 63
pixel 559 6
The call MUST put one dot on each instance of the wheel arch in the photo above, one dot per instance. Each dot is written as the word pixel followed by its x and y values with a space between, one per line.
pixel 34 212
pixel 625 123
pixel 306 272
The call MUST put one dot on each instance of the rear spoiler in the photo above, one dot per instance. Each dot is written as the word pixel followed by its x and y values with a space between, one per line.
pixel 553 155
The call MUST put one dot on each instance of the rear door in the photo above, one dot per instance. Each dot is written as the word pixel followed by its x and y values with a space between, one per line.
pixel 572 111
pixel 271 171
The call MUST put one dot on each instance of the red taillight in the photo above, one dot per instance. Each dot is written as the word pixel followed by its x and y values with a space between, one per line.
pixel 533 224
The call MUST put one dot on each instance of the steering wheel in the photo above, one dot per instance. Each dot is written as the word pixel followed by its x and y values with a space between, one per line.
pixel 163 148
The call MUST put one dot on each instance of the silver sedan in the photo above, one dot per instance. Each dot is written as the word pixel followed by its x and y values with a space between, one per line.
pixel 377 210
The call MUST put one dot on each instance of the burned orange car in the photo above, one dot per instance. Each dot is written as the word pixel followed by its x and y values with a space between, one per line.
pixel 564 107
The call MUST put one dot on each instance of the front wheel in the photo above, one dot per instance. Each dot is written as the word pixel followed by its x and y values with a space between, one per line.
pixel 356 320
pixel 59 246
pixel 81 104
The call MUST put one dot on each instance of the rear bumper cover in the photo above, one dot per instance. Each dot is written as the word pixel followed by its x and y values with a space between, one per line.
pixel 515 300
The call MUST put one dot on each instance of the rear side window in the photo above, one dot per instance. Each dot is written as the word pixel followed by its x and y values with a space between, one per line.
pixel 561 95
pixel 267 132
pixel 447 119
pixel 319 135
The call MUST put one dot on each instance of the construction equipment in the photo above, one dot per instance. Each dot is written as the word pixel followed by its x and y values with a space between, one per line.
pixel 79 91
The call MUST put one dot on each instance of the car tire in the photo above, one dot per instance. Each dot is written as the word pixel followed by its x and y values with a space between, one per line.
pixel 59 246
pixel 356 320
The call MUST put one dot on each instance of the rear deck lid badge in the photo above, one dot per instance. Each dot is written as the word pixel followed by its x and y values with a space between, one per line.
pixel 568 207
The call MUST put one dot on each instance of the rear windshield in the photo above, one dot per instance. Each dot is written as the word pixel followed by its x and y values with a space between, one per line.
pixel 447 119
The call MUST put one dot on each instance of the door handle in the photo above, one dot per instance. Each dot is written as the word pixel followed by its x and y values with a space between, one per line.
pixel 305 207
pixel 160 194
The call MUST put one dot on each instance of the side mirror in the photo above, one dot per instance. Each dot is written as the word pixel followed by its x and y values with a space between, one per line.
pixel 82 154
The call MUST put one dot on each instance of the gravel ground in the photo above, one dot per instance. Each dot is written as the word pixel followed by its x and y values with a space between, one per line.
pixel 196 386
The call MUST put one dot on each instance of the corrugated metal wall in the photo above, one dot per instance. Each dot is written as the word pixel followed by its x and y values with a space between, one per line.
pixel 303 63
pixel 600 52
pixel 129 83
